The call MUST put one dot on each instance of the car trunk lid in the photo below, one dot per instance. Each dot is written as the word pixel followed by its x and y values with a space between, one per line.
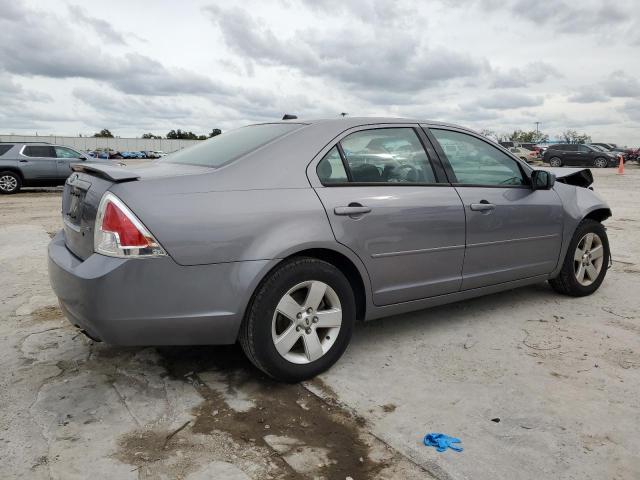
pixel 87 184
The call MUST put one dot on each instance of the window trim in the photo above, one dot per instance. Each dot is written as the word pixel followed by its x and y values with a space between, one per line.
pixel 525 170
pixel 429 152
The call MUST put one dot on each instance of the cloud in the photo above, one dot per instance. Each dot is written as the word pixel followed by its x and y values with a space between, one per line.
pixel 361 57
pixel 531 73
pixel 11 92
pixel 507 100
pixel 632 110
pixel 619 84
pixel 588 95
pixel 101 27
pixel 565 17
pixel 24 35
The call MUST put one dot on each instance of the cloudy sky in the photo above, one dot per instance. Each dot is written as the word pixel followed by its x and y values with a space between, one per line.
pixel 69 67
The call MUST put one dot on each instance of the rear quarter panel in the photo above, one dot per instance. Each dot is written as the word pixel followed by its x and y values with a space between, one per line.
pixel 229 226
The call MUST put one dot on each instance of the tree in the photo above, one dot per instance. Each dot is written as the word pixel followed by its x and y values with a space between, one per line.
pixel 214 132
pixel 531 136
pixel 485 132
pixel 150 135
pixel 572 136
pixel 180 135
pixel 103 133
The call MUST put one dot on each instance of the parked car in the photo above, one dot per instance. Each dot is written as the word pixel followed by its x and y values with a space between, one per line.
pixel 611 147
pixel 573 154
pixel 35 164
pixel 524 154
pixel 274 236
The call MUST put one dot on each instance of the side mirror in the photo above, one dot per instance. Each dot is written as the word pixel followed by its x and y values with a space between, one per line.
pixel 542 180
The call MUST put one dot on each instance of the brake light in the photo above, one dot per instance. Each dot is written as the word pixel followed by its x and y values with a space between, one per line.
pixel 119 233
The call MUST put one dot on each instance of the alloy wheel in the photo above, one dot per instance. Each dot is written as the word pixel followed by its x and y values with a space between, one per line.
pixel 600 163
pixel 306 322
pixel 588 259
pixel 555 162
pixel 8 183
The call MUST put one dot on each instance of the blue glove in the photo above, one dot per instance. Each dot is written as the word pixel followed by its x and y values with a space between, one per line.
pixel 441 442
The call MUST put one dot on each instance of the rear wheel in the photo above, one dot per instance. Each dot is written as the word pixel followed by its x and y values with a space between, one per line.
pixel 600 162
pixel 586 262
pixel 10 182
pixel 555 162
pixel 300 320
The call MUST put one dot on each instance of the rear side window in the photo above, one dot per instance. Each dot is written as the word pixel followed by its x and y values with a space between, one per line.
pixel 38 151
pixel 227 147
pixel 476 162
pixel 4 149
pixel 331 169
pixel 387 155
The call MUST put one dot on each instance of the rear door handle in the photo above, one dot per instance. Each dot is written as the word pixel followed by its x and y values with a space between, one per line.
pixel 352 209
pixel 482 207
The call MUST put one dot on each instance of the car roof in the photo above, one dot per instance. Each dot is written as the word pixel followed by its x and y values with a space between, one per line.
pixel 350 122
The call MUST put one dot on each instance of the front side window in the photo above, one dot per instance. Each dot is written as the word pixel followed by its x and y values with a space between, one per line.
pixel 229 146
pixel 475 162
pixel 387 155
pixel 63 152
pixel 38 151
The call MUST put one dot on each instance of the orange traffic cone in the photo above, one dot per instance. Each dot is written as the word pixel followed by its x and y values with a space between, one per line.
pixel 621 166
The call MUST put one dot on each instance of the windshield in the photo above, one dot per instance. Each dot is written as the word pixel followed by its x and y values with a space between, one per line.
pixel 598 147
pixel 229 146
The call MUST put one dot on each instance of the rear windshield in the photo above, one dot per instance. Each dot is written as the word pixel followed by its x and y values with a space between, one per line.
pixel 4 149
pixel 227 147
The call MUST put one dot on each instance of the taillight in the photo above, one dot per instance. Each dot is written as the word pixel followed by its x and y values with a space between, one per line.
pixel 119 233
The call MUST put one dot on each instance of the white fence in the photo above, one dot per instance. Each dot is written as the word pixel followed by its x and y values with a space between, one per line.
pixel 94 143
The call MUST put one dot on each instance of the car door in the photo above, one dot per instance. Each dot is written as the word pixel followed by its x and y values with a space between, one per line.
pixel 37 162
pixel 389 202
pixel 513 231
pixel 64 158
pixel 574 155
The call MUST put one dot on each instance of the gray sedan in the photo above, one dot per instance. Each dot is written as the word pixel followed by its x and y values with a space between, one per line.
pixel 283 235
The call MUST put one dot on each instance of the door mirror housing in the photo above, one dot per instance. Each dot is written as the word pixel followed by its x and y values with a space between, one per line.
pixel 542 180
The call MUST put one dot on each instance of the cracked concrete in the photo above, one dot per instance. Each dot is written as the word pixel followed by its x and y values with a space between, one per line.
pixel 536 385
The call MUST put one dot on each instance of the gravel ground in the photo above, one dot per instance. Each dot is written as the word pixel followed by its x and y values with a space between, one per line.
pixel 536 385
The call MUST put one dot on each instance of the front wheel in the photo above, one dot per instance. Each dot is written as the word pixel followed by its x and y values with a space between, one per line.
pixel 586 262
pixel 600 162
pixel 300 320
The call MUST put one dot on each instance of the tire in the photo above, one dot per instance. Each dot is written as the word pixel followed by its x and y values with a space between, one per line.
pixel 600 162
pixel 568 280
pixel 555 162
pixel 264 326
pixel 10 182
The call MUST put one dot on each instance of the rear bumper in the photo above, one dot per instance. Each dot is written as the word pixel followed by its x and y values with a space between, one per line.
pixel 152 301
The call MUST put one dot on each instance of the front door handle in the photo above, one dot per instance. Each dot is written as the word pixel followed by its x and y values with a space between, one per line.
pixel 483 206
pixel 23 161
pixel 352 209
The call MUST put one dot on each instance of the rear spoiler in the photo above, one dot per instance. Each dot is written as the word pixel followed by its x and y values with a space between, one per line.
pixel 110 172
